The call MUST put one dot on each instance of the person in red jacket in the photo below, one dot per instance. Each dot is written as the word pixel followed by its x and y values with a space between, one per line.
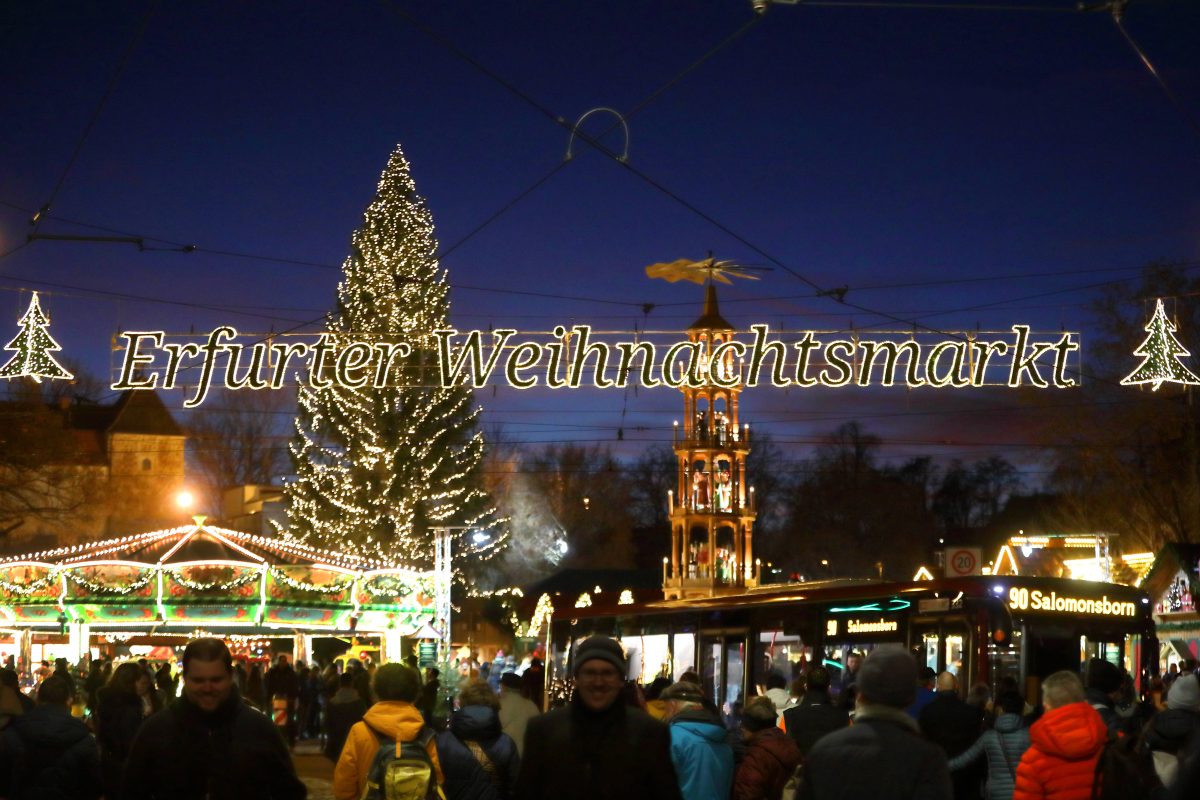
pixel 1065 744
pixel 771 755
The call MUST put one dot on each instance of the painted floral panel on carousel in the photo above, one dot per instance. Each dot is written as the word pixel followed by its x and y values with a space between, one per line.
pixel 116 582
pixel 233 582
pixel 308 585
pixel 29 584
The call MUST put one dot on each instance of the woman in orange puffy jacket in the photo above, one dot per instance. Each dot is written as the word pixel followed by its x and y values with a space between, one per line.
pixel 1065 744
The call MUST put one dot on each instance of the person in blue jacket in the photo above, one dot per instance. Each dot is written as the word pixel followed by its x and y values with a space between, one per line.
pixel 479 761
pixel 700 749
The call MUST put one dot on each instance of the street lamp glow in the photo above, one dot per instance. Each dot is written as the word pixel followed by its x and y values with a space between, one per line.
pixel 184 500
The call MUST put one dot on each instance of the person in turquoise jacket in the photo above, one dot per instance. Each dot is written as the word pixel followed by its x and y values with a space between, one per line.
pixel 700 748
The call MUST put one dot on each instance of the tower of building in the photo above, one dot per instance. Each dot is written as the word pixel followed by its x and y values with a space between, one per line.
pixel 712 508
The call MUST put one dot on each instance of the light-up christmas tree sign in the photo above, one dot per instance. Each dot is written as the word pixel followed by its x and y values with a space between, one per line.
pixel 379 468
pixel 1160 354
pixel 33 346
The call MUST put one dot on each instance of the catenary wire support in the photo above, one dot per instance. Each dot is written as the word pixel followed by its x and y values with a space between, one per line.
pixel 1117 9
pixel 624 157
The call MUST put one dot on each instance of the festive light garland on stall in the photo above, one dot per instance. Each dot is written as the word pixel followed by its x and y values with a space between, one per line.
pixel 102 588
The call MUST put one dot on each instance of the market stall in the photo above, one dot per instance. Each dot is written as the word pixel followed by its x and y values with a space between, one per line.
pixel 161 586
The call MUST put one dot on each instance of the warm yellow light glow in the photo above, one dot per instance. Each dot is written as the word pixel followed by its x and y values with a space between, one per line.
pixel 923 574
pixel 1006 562
pixel 185 500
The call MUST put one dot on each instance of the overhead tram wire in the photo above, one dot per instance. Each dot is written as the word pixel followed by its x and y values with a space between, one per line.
pixel 315 264
pixel 1117 7
pixel 648 100
pixel 838 296
pixel 636 109
pixel 113 80
pixel 918 6
pixel 655 184
pixel 181 247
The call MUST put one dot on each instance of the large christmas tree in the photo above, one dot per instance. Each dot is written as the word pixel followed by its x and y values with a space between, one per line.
pixel 379 469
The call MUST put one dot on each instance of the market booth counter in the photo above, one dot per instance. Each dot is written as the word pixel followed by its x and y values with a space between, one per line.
pixel 163 586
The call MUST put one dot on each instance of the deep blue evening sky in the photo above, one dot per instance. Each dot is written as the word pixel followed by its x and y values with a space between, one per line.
pixel 858 146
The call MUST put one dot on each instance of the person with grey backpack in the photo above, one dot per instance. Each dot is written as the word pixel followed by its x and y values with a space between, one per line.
pixel 1003 745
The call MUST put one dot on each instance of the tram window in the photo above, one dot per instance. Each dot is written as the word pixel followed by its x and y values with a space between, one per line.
pixel 684 654
pixel 1112 652
pixel 710 669
pixel 649 657
pixel 735 671
pixel 779 653
pixel 929 651
pixel 954 654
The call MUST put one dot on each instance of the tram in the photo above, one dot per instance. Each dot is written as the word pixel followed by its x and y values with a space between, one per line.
pixel 981 628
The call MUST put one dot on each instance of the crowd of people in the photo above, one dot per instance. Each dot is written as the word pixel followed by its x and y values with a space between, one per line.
pixel 883 729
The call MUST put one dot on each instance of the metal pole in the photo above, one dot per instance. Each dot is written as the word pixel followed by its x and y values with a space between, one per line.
pixel 443 576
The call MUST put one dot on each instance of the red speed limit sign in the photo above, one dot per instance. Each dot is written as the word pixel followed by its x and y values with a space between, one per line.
pixel 964 561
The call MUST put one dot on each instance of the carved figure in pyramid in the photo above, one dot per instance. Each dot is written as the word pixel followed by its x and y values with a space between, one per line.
pixel 1160 355
pixel 33 346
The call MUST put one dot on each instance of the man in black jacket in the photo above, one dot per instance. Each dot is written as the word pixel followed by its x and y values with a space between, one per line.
pixel 597 748
pixel 49 753
pixel 815 715
pixel 1102 687
pixel 210 744
pixel 953 725
pixel 882 755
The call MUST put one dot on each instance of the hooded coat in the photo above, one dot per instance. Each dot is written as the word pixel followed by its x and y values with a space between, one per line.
pixel 466 776
pixel 1003 745
pixel 49 755
pixel 233 752
pixel 702 755
pixel 1060 763
pixel 770 759
pixel 396 719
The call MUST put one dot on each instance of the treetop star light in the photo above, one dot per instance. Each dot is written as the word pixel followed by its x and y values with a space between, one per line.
pixel 33 346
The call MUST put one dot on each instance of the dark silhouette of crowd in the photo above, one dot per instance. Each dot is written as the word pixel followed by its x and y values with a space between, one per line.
pixel 887 729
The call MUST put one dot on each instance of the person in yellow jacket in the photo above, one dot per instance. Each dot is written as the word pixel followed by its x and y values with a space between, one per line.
pixel 396 686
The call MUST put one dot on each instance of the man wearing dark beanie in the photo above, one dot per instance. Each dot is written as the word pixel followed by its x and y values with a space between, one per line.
pixel 596 747
pixel 882 755
pixel 1102 684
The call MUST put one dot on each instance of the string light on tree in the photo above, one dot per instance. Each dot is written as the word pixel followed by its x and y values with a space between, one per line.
pixel 33 346
pixel 1160 354
pixel 379 468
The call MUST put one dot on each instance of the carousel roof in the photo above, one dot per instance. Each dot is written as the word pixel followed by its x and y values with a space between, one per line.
pixel 199 542
pixel 204 576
